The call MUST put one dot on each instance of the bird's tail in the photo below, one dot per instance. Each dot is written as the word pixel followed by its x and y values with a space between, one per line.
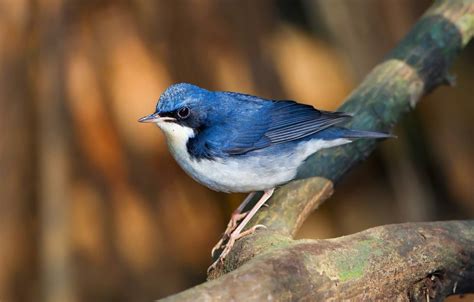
pixel 349 133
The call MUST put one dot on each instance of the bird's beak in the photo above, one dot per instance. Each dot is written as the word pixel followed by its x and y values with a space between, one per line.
pixel 155 118
pixel 152 118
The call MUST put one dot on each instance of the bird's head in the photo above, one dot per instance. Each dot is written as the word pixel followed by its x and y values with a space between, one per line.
pixel 182 110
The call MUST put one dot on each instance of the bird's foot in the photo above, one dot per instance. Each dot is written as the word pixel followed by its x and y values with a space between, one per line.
pixel 234 236
pixel 234 219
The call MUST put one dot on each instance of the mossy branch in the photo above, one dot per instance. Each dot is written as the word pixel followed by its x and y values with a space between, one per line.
pixel 405 262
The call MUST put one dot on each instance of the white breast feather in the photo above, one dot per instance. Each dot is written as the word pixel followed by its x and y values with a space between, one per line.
pixel 240 175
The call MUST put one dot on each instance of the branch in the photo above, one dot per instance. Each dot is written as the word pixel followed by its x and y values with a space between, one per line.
pixel 389 263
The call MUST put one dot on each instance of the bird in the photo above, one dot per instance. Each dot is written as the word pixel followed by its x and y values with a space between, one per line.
pixel 240 143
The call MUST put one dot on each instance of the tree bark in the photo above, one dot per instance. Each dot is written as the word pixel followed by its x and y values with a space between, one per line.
pixel 403 262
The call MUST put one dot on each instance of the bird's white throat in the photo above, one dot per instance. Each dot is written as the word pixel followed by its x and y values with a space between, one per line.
pixel 177 137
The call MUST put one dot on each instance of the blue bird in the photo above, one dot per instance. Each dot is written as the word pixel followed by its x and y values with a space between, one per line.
pixel 234 142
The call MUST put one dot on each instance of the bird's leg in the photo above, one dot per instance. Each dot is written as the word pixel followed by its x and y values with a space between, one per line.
pixel 237 233
pixel 236 216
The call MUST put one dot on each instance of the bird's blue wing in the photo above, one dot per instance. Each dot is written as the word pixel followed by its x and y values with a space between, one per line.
pixel 280 122
pixel 291 121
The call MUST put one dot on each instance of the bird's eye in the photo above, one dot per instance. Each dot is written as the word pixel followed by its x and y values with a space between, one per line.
pixel 184 112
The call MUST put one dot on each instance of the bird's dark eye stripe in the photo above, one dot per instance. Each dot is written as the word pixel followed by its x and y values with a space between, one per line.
pixel 168 114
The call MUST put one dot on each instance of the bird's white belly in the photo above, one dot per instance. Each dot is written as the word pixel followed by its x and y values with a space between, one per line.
pixel 240 173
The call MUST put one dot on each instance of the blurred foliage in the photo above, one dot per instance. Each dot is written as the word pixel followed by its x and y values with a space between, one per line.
pixel 93 207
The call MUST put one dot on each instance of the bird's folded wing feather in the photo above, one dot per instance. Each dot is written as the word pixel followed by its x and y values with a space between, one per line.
pixel 279 122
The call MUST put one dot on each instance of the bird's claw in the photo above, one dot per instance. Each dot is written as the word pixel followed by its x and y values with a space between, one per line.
pixel 234 219
pixel 217 246
pixel 230 243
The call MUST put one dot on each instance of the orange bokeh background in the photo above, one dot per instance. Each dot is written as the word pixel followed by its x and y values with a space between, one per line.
pixel 93 207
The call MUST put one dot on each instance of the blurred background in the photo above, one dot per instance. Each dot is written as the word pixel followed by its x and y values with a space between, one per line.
pixel 93 207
